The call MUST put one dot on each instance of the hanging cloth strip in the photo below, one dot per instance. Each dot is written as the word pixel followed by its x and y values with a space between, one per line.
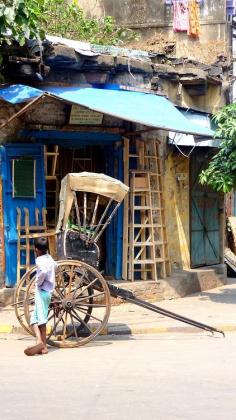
pixel 181 19
pixel 194 19
pixel 230 7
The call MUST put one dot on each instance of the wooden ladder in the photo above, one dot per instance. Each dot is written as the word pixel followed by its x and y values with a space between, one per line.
pixel 51 154
pixel 144 214
pixel 82 160
pixel 141 230
pixel 25 246
pixel 153 164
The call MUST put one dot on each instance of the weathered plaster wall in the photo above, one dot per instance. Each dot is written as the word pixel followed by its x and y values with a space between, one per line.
pixel 153 19
pixel 149 12
pixel 211 101
pixel 11 130
pixel 176 182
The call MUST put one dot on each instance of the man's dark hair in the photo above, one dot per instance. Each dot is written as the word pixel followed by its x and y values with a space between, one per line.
pixel 41 244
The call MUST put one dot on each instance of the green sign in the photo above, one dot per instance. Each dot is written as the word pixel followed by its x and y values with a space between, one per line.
pixel 23 178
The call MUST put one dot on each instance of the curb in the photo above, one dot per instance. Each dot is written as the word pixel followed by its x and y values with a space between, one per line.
pixel 121 330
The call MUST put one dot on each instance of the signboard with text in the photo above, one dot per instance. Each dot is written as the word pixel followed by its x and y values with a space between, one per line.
pixel 84 116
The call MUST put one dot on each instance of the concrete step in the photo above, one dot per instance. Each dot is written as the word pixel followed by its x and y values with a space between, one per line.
pixel 7 296
pixel 181 283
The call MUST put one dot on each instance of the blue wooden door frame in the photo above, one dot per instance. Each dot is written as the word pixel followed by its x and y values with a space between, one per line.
pixel 114 234
pixel 205 217
pixel 10 204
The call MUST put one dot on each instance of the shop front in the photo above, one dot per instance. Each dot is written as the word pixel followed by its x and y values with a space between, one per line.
pixel 80 130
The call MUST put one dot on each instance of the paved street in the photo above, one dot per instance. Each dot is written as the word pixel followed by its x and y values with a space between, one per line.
pixel 164 377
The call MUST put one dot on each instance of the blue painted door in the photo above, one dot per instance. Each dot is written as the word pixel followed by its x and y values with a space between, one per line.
pixel 205 217
pixel 8 153
pixel 114 233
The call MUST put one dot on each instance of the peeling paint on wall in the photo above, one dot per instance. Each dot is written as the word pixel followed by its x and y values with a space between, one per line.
pixel 177 209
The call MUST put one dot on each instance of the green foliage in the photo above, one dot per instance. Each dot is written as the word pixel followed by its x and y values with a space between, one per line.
pixel 221 172
pixel 19 19
pixel 27 19
pixel 67 19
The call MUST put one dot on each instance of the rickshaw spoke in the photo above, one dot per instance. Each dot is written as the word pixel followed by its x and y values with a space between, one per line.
pixel 79 284
pixel 76 316
pixel 71 278
pixel 59 292
pixel 50 317
pixel 86 287
pixel 75 329
pixel 92 305
pixel 78 299
pixel 91 316
pixel 64 328
pixel 55 325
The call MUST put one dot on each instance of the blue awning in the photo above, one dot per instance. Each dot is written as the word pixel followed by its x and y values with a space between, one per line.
pixel 142 108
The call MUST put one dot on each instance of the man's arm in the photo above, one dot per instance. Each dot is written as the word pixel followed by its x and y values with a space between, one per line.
pixel 41 275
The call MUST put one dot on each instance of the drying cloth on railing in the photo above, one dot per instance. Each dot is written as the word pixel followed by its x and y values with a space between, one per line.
pixel 194 19
pixel 181 18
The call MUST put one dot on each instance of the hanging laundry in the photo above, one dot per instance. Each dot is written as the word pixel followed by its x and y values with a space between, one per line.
pixel 194 19
pixel 181 19
pixel 170 2
pixel 230 7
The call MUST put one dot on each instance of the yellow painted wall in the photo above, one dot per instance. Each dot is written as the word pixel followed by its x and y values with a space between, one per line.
pixel 176 181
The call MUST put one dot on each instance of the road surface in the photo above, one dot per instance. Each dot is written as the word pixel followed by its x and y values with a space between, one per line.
pixel 160 377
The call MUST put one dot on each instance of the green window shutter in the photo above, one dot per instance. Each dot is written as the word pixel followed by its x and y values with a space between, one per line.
pixel 23 178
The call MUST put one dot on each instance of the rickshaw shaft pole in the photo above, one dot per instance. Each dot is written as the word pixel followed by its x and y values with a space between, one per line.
pixel 130 297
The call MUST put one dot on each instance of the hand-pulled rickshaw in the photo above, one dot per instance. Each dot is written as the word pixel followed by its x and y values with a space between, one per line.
pixel 81 304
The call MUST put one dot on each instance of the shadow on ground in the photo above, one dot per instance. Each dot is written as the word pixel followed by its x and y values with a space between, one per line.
pixel 224 295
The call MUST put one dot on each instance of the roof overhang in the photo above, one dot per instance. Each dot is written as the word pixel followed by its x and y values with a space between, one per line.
pixel 190 140
pixel 143 108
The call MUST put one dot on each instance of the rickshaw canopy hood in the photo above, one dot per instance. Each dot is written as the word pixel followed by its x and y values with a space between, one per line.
pixel 90 183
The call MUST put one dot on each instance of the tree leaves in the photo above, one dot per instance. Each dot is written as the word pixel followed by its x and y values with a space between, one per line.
pixel 69 21
pixel 31 19
pixel 20 19
pixel 221 172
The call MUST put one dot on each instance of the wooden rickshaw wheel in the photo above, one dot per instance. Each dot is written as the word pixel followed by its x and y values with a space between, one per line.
pixel 80 305
pixel 19 298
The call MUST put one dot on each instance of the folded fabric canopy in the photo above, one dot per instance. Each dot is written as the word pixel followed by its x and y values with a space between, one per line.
pixel 144 108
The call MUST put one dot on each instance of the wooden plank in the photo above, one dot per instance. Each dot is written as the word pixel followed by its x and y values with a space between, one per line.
pixel 25 235
pixel 46 234
pixel 54 160
pixel 152 250
pixel 27 223
pixel 131 233
pixel 44 216
pixel 18 225
pixel 2 244
pixel 126 210
pixel 45 161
